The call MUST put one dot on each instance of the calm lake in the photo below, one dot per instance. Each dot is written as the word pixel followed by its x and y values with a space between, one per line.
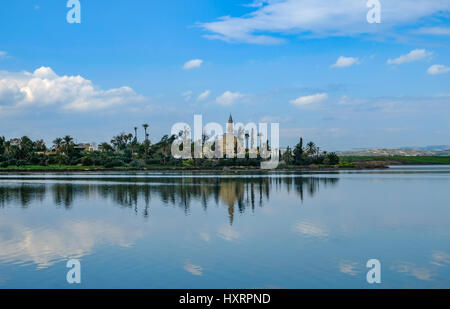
pixel 275 230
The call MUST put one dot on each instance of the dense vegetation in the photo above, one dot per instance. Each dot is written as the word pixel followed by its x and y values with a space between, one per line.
pixel 125 151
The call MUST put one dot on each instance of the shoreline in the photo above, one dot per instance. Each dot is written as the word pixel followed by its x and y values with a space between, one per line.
pixel 361 165
pixel 176 170
pixel 256 170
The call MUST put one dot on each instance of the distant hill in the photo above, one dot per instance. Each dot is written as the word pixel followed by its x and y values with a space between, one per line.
pixel 430 148
pixel 438 150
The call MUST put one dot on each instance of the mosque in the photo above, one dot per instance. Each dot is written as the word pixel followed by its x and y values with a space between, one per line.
pixel 230 145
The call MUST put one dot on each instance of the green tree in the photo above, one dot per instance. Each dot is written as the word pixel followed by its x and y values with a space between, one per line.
pixel 311 148
pixel 87 161
pixel 331 159
pixel 2 145
pixel 121 141
pixel 39 146
pixel 165 148
pixel 67 144
pixel 106 147
pixel 25 148
pixel 298 152
pixel 287 156
pixel 57 145
pixel 145 130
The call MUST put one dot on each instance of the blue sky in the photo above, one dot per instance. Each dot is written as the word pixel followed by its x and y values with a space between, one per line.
pixel 317 67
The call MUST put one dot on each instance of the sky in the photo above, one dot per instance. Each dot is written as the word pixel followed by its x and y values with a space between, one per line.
pixel 317 67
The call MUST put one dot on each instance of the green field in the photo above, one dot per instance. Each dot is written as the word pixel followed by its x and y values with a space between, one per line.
pixel 398 159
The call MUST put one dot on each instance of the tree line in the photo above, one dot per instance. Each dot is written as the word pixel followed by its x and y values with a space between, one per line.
pixel 125 150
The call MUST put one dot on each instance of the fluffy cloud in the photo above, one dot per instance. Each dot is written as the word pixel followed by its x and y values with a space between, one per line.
pixel 192 64
pixel 438 69
pixel 44 87
pixel 306 17
pixel 414 55
pixel 204 95
pixel 229 98
pixel 343 62
pixel 309 100
pixel 3 54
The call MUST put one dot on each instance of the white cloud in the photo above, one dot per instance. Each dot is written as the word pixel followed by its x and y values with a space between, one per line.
pixel 434 30
pixel 309 100
pixel 305 17
pixel 44 87
pixel 45 73
pixel 440 259
pixel 438 69
pixel 410 269
pixel 192 64
pixel 349 268
pixel 229 98
pixel 193 269
pixel 3 54
pixel 343 62
pixel 204 95
pixel 347 100
pixel 257 3
pixel 414 55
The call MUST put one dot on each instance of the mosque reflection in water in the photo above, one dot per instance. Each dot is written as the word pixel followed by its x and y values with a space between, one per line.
pixel 237 194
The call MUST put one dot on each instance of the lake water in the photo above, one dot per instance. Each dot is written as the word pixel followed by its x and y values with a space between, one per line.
pixel 276 230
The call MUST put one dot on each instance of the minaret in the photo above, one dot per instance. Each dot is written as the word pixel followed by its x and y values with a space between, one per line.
pixel 228 139
pixel 252 139
pixel 230 129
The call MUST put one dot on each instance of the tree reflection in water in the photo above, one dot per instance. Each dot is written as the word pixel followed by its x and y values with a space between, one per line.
pixel 236 193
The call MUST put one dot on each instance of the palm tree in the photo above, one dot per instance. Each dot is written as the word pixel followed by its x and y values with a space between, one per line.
pixel 68 142
pixel 106 147
pixel 7 146
pixel 165 148
pixel 145 129
pixel 146 144
pixel 311 147
pixel 58 143
pixel 135 133
pixel 246 140
pixel 39 145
